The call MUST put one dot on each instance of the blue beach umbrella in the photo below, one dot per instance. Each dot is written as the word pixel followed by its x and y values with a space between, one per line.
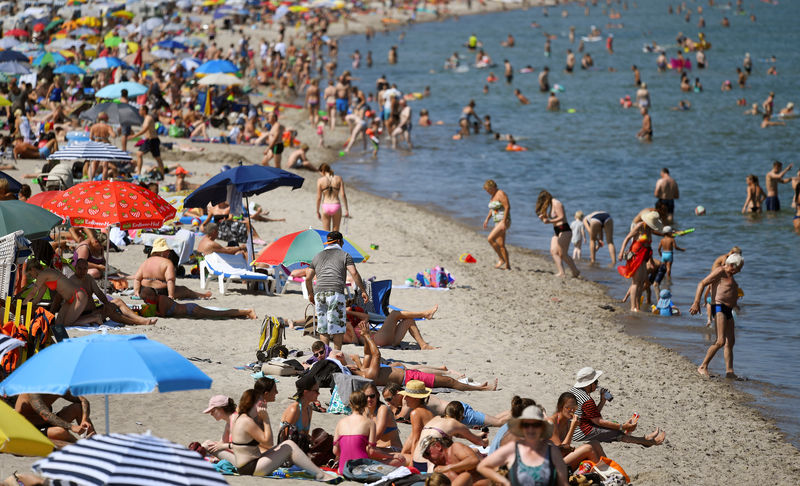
pixel 13 184
pixel 217 66
pixel 46 58
pixel 14 67
pixel 171 44
pixel 114 91
pixel 106 63
pixel 12 55
pixel 190 63
pixel 69 69
pixel 104 364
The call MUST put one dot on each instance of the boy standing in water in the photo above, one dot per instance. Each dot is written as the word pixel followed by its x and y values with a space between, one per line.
pixel 666 248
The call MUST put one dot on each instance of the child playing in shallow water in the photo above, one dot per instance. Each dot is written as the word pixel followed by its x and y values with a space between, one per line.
pixel 578 235
pixel 666 248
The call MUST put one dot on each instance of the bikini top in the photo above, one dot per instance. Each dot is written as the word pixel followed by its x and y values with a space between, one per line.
pixel 252 443
pixel 51 284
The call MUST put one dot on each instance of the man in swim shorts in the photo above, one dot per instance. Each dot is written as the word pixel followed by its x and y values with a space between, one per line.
pixel 151 143
pixel 775 177
pixel 38 410
pixel 666 191
pixel 331 266
pixel 274 142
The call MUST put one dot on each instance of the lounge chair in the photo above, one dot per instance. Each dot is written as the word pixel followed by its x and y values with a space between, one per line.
pixel 379 292
pixel 231 267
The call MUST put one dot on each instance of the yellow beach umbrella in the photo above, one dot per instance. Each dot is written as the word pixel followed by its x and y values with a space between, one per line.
pixel 89 22
pixel 67 53
pixel 4 101
pixel 124 14
pixel 20 437
pixel 133 47
pixel 298 9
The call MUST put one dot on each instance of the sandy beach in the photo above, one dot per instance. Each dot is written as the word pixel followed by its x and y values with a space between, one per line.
pixel 527 328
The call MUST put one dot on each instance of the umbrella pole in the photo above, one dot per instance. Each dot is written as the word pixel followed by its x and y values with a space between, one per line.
pixel 107 428
pixel 250 249
pixel 105 276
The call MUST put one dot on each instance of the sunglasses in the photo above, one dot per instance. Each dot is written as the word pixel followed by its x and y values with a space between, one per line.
pixel 370 397
pixel 320 353
pixel 531 425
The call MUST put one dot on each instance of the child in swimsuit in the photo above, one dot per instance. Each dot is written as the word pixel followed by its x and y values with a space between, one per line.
pixel 666 248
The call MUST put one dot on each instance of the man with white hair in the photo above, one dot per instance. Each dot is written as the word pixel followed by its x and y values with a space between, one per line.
pixel 724 296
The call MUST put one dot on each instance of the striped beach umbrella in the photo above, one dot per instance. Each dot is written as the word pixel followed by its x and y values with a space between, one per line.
pixel 91 151
pixel 128 459
pixel 13 67
pixel 302 246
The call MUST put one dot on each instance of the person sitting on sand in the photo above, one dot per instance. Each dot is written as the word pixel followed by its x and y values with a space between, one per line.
pixel 591 424
pixel 298 413
pixel 208 244
pixel 75 298
pixel 370 367
pixel 414 395
pixel 448 426
pixel 387 437
pixel 298 159
pixel 394 328
pixel 454 460
pixel 503 436
pixel 38 410
pixel 164 306
pixel 158 273
pixel 91 250
pixel 565 420
pixel 251 433
pixel 355 436
pixel 222 408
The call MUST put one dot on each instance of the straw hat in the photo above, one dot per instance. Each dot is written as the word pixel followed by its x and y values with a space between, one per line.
pixel 586 376
pixel 215 402
pixel 416 389
pixel 429 440
pixel 653 220
pixel 533 413
pixel 159 245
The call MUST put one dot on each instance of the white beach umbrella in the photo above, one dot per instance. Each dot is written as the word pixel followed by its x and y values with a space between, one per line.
pixel 8 42
pixel 91 151
pixel 220 79
pixel 163 54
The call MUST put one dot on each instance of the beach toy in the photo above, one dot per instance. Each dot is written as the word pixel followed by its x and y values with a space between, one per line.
pixel 373 246
pixel 684 232
pixel 341 153
pixel 572 110
pixel 700 211
pixel 467 258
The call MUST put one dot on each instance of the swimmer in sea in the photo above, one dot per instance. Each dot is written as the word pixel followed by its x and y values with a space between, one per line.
pixel 508 71
pixel 552 102
pixel 726 85
pixel 544 83
pixel 487 124
pixel 667 247
pixel 570 64
pixel 766 122
pixel 683 105
pixel 646 133
pixel 755 195
pixel 774 177
pixel 521 97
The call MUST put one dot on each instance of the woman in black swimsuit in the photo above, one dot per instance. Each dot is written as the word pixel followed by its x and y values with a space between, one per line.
pixel 755 195
pixel 596 224
pixel 551 211
pixel 252 430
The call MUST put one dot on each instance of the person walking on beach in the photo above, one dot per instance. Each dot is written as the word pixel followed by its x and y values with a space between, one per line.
pixel 775 177
pixel 551 211
pixel 667 192
pixel 500 214
pixel 724 295
pixel 151 143
pixel 331 266
pixel 274 141
pixel 635 268
pixel 330 196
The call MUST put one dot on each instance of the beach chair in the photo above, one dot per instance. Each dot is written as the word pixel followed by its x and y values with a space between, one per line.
pixel 8 257
pixel 379 292
pixel 231 267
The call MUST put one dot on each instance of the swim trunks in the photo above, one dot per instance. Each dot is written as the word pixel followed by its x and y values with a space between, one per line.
pixel 726 311
pixel 341 105
pixel 331 312
pixel 669 203
pixel 152 145
pixel 426 378
pixel 472 417
pixel 277 149
pixel 666 256
pixel 772 203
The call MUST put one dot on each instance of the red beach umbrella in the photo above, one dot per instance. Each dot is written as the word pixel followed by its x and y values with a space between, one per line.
pixel 16 33
pixel 38 27
pixel 42 198
pixel 100 204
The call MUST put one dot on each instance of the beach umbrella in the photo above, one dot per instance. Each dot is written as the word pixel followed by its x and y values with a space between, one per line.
pixel 105 364
pixel 65 44
pixel 83 31
pixel 146 58
pixel 54 23
pixel 118 113
pixel 5 101
pixel 38 27
pixel 173 28
pixel 14 67
pixel 217 66
pixel 13 184
pixel 91 151
pixel 123 14
pixel 89 22
pixel 171 44
pixel 8 43
pixel 300 247
pixel 163 54
pixel 17 435
pixel 106 63
pixel 112 41
pixel 152 23
pixel 69 69
pixel 114 91
pixel 34 221
pixel 16 33
pixel 220 79
pixel 128 459
pixel 190 63
pixel 48 58
pixel 42 198
pixel 12 55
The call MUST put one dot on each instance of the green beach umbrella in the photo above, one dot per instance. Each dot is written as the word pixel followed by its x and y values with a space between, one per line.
pixel 55 23
pixel 112 41
pixel 33 220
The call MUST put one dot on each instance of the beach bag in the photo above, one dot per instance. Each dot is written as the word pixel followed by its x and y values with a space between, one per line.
pixel 233 231
pixel 310 326
pixel 176 132
pixel 37 336
pixel 337 406
pixel 290 432
pixel 608 467
pixel 320 450
pixel 366 470
pixel 282 367
pixel 270 340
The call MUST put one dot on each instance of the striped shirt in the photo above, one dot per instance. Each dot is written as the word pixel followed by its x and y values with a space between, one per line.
pixel 586 411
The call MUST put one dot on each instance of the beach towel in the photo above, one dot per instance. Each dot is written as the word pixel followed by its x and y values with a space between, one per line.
pixel 347 384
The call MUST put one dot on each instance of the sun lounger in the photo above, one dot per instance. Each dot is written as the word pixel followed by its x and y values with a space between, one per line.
pixel 231 267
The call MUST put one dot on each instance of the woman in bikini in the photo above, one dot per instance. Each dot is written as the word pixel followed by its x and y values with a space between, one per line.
pixel 355 436
pixel 596 224
pixel 222 409
pixel 414 396
pixel 755 196
pixel 312 101
pixel 298 413
pixel 565 420
pixel 394 328
pixel 551 211
pixel 330 196
pixel 387 437
pixel 163 306
pixel 75 298
pixel 635 268
pixel 500 214
pixel 796 219
pixel 251 431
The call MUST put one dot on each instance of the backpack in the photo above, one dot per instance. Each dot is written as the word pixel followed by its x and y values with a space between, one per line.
pixel 37 336
pixel 270 340
pixel 366 470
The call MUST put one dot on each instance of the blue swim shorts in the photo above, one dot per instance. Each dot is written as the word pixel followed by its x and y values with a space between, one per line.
pixel 472 417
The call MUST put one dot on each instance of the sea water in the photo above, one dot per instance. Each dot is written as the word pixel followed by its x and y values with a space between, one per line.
pixel 591 159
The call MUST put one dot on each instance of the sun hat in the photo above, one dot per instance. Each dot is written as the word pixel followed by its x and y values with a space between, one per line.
pixel 215 402
pixel 586 376
pixel 789 105
pixel 665 294
pixel 532 413
pixel 653 220
pixel 159 245
pixel 415 389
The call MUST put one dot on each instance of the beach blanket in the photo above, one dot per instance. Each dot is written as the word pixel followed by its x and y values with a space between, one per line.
pixel 106 326
pixel 407 286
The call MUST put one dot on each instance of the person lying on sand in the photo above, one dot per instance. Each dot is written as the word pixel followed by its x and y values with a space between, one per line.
pixel 393 330
pixel 163 306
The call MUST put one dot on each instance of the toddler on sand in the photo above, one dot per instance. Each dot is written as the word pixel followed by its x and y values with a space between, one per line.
pixel 578 235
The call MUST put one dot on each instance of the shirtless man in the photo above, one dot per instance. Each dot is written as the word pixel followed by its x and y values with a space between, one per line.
pixel 508 71
pixel 274 142
pixel 775 177
pixel 167 307
pixel 299 159
pixel 646 133
pixel 403 126
pixel 643 96
pixel 724 295
pixel 209 243
pixel 552 102
pixel 370 367
pixel 100 132
pixel 151 144
pixel 667 192
pixel 312 101
pixel 38 410
pixel 453 459
pixel 342 98
pixel 570 64
pixel 521 97
pixel 158 273
pixel 544 83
